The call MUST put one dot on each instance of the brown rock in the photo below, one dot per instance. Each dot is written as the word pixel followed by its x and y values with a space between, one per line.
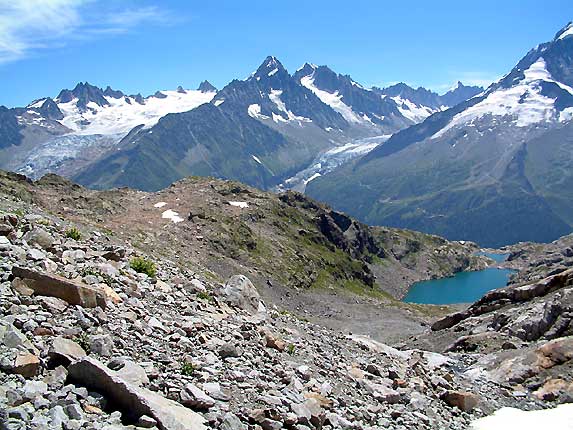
pixel 553 388
pixel 273 342
pixel 21 288
pixel 43 331
pixel 89 409
pixel 47 284
pixel 463 400
pixel 26 364
pixel 555 352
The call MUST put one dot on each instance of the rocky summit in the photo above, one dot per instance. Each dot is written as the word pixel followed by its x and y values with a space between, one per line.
pixel 176 310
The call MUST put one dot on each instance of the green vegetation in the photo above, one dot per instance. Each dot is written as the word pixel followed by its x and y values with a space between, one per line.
pixel 291 349
pixel 83 340
pixel 73 233
pixel 203 295
pixel 142 265
pixel 86 271
pixel 187 369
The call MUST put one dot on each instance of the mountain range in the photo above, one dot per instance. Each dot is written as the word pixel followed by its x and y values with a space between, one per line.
pixel 496 169
pixel 271 130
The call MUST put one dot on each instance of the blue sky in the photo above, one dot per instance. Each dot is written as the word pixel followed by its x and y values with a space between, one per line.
pixel 145 45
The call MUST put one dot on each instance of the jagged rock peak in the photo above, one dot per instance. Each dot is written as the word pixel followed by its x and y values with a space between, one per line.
pixel 116 94
pixel 206 87
pixel 85 93
pixel 270 67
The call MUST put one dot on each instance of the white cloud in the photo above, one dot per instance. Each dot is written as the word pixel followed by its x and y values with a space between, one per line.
pixel 27 26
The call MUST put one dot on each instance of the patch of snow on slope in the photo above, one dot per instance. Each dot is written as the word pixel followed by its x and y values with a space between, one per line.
pixel 522 101
pixel 566 115
pixel 172 215
pixel 411 110
pixel 567 32
pixel 254 111
pixel 275 97
pixel 316 175
pixel 37 104
pixel 334 100
pixel 122 115
pixel 560 418
pixel 159 205
pixel 219 102
pixel 241 205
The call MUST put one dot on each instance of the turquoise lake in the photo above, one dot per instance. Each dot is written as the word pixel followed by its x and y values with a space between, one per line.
pixel 463 287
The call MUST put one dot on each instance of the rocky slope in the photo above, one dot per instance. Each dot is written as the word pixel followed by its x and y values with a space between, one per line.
pixel 108 322
pixel 302 254
pixel 495 169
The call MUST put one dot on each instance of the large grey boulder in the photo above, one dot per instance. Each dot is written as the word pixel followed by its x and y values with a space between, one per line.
pixel 132 400
pixel 40 237
pixel 239 291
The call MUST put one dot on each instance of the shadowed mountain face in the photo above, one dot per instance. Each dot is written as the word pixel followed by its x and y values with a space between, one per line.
pixel 495 169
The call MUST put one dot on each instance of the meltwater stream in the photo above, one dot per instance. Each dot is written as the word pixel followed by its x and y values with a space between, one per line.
pixel 463 287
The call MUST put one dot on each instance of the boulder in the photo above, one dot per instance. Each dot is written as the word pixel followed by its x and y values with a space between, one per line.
pixel 134 401
pixel 26 364
pixel 39 236
pixel 11 337
pixel 195 398
pixel 65 351
pixel 239 291
pixel 463 400
pixel 229 350
pixel 74 293
pixel 232 422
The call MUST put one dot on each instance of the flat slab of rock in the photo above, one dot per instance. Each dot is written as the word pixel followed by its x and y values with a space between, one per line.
pixel 65 351
pixel 48 284
pixel 134 400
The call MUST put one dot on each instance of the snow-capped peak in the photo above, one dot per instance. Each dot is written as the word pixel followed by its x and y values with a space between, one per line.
pixel 306 69
pixel 114 115
pixel 270 67
pixel 525 102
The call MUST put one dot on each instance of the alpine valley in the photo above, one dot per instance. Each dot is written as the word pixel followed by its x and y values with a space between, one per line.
pixel 497 168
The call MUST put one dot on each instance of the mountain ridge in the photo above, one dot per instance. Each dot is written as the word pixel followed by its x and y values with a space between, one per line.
pixel 474 169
